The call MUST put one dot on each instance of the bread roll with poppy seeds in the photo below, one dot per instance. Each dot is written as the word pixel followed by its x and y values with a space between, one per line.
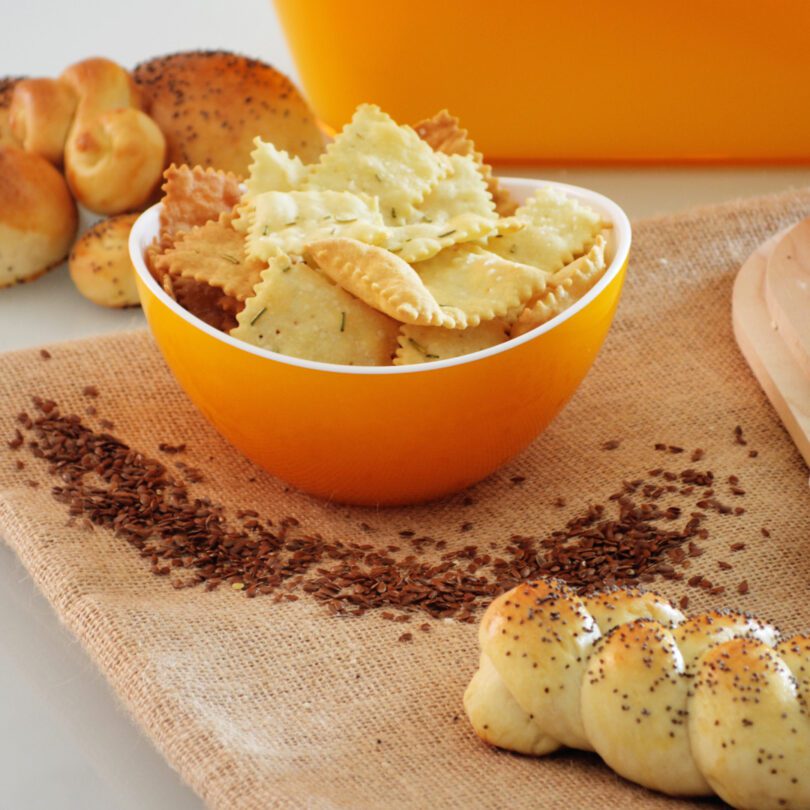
pixel 715 703
pixel 212 104
pixel 100 265
pixel 38 217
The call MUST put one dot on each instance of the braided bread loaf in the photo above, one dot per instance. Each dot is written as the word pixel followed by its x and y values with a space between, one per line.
pixel 714 703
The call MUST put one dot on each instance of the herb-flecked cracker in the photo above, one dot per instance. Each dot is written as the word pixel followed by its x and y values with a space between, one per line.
pixel 209 304
pixel 445 134
pixel 214 253
pixel 457 209
pixel 193 196
pixel 284 221
pixel 381 279
pixel 374 155
pixel 566 286
pixel 273 169
pixel 299 312
pixel 423 344
pixel 472 284
pixel 556 229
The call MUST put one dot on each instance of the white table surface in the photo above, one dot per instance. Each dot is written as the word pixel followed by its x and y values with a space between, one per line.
pixel 65 743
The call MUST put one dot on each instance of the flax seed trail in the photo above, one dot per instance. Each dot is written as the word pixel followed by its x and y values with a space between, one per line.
pixel 190 540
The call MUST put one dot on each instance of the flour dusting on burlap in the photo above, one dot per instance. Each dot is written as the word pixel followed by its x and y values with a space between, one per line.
pixel 261 704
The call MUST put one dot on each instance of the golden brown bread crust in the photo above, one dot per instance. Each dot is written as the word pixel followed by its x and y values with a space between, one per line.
pixel 211 104
pixel 7 85
pixel 101 84
pixel 38 217
pixel 115 153
pixel 40 116
pixel 100 265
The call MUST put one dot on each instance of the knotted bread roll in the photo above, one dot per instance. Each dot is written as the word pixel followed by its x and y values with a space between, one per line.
pixel 7 85
pixel 685 706
pixel 115 153
pixel 40 116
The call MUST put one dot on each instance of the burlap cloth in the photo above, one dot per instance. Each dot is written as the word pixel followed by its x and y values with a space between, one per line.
pixel 262 705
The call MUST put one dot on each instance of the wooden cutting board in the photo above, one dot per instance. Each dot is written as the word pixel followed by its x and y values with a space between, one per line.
pixel 771 318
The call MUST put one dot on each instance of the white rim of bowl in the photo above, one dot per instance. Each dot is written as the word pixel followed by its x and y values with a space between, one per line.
pixel 146 229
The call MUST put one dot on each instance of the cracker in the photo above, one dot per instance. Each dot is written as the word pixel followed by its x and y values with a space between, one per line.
pixel 376 156
pixel 557 228
pixel 214 254
pixel 458 209
pixel 423 344
pixel 207 303
pixel 472 284
pixel 284 221
pixel 299 312
pixel 445 134
pixel 565 287
pixel 193 197
pixel 381 279
pixel 273 169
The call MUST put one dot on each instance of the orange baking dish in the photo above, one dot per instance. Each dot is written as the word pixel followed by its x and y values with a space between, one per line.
pixel 386 434
pixel 723 80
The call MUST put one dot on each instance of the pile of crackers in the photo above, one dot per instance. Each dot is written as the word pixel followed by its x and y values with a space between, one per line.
pixel 397 247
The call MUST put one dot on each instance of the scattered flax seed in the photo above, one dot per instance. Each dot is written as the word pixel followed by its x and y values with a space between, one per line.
pixel 559 502
pixel 684 602
pixel 674 449
pixel 90 391
pixel 33 484
pixel 19 464
pixel 738 436
pixel 659 446
pixel 171 449
pixel 764 532
pixel 743 587
pixel 406 637
pixel 425 628
pixel 91 410
pixel 724 566
pixel 737 546
pixel 611 444
pixel 45 354
pixel 17 441
pixel 466 527
pixel 640 535
pixel 698 454
pixel 517 479
pixel 753 453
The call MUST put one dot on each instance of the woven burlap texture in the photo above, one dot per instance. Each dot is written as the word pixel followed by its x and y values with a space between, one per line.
pixel 261 705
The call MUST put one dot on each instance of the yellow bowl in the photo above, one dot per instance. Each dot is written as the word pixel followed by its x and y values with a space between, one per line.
pixel 386 435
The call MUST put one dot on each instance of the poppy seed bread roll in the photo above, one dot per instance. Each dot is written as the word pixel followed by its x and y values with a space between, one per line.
pixel 210 105
pixel 714 703
pixel 100 266
pixel 38 217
